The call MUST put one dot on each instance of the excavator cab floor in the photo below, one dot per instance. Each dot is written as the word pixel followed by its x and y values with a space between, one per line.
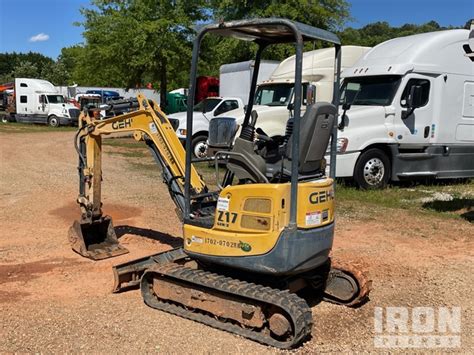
pixel 96 240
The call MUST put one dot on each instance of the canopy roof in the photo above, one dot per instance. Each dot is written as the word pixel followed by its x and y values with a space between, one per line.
pixel 270 30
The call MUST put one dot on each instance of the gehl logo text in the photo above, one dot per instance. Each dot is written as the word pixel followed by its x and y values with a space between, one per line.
pixel 122 124
pixel 321 197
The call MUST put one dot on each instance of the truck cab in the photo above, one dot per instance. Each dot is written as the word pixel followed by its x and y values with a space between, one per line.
pixel 204 111
pixel 409 111
pixel 273 95
pixel 38 101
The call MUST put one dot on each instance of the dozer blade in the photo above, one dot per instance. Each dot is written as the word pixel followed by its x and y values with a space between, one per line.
pixel 96 240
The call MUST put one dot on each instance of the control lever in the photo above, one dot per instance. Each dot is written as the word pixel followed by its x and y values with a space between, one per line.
pixel 253 116
pixel 248 132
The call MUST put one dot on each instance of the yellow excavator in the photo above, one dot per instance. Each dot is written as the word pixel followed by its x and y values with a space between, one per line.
pixel 260 240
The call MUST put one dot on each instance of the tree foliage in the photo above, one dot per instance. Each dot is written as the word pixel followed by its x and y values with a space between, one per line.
pixel 378 32
pixel 132 42
pixel 22 64
pixel 326 14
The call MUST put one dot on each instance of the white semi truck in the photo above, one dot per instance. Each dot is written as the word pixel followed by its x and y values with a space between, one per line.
pixel 38 101
pixel 273 95
pixel 411 111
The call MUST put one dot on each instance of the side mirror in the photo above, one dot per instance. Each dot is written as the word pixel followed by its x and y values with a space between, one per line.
pixel 415 99
pixel 290 106
pixel 344 119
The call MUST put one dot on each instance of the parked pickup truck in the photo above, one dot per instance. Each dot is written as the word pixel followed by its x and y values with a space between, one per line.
pixel 203 113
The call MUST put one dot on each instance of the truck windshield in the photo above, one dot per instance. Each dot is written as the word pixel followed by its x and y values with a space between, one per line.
pixel 55 99
pixel 207 104
pixel 370 90
pixel 274 94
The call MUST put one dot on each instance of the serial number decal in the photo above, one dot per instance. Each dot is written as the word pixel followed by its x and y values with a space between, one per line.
pixel 223 204
pixel 227 244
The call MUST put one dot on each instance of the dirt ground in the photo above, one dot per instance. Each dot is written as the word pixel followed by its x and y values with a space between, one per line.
pixel 52 300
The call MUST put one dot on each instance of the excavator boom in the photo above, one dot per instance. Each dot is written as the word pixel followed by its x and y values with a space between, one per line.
pixel 93 236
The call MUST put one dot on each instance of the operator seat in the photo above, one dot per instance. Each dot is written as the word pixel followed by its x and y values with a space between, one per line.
pixel 315 130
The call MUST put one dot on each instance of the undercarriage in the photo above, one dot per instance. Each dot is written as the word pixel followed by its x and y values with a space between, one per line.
pixel 265 309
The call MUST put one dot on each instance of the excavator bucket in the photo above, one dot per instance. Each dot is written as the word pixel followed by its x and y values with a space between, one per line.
pixel 96 240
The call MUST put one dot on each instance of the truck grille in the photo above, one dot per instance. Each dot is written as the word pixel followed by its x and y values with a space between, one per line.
pixel 74 112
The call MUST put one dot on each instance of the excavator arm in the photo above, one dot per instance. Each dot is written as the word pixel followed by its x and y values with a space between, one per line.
pixel 93 236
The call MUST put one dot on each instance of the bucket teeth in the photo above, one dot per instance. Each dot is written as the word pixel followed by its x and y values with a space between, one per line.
pixel 96 240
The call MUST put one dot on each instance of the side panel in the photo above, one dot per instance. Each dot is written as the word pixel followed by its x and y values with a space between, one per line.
pixel 249 219
pixel 457 109
pixel 437 161
pixel 465 128
pixel 294 252
pixel 235 84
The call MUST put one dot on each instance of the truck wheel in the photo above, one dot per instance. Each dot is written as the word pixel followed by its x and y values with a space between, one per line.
pixel 372 170
pixel 53 121
pixel 4 119
pixel 199 146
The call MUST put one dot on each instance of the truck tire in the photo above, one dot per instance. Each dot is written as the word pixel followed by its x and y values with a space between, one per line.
pixel 4 119
pixel 372 170
pixel 53 121
pixel 199 146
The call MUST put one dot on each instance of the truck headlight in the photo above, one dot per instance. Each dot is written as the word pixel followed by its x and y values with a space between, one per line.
pixel 182 132
pixel 342 144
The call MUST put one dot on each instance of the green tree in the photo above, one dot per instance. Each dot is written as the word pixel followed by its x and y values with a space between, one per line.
pixel 132 42
pixel 25 69
pixel 378 32
pixel 9 62
pixel 325 14
pixel 56 73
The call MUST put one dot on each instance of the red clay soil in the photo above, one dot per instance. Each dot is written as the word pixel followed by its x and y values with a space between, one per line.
pixel 53 300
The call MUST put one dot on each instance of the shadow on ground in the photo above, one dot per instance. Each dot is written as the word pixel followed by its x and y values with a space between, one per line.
pixel 163 238
pixel 463 206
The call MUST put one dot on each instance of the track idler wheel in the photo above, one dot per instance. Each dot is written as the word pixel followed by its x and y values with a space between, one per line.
pixel 347 284
pixel 95 240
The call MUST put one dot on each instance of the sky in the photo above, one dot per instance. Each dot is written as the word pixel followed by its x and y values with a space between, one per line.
pixel 46 26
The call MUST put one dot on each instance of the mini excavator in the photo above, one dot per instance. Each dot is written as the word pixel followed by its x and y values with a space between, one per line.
pixel 264 237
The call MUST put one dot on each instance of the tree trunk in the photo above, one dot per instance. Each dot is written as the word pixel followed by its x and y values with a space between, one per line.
pixel 163 84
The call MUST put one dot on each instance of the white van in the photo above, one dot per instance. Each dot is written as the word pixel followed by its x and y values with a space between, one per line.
pixel 38 101
pixel 411 111
pixel 273 95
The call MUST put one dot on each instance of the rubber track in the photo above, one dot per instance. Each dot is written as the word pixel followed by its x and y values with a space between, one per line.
pixel 293 305
pixel 363 282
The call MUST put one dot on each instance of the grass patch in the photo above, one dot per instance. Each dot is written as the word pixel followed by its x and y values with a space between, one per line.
pixel 130 154
pixel 127 142
pixel 416 197
pixel 15 127
pixel 453 200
